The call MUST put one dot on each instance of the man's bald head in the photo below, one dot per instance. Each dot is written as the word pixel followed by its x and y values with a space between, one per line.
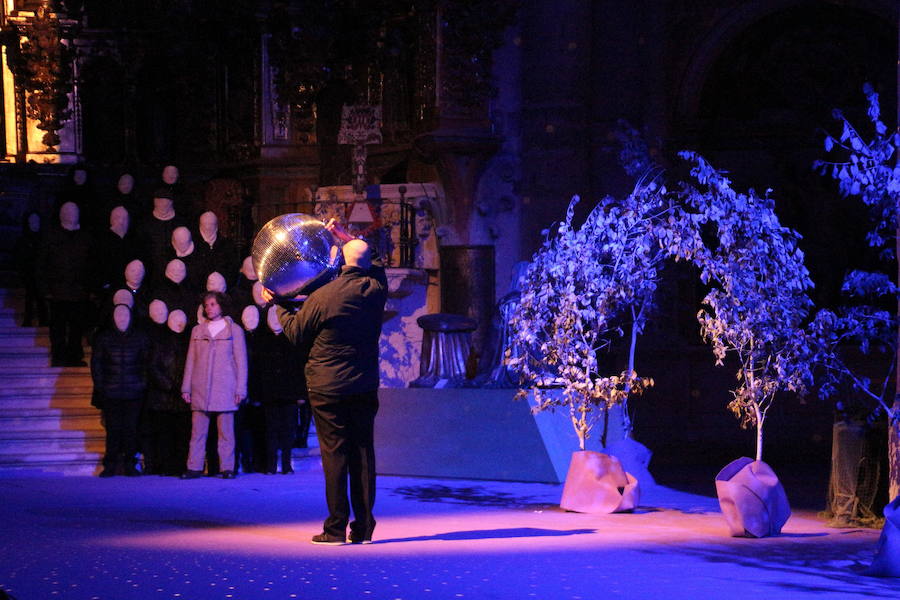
pixel 356 254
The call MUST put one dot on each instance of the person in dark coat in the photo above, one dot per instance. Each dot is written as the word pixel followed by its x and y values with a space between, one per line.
pixel 170 416
pixel 119 370
pixel 217 254
pixel 278 384
pixel 136 284
pixel 156 235
pixel 241 293
pixel 249 422
pixel 26 252
pixel 340 325
pixel 78 189
pixel 184 249
pixel 126 198
pixel 111 252
pixel 63 264
pixel 155 326
pixel 175 293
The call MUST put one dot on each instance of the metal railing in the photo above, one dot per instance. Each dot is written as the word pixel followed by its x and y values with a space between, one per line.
pixel 392 233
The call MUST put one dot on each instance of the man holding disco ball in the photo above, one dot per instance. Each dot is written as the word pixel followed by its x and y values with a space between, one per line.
pixel 338 326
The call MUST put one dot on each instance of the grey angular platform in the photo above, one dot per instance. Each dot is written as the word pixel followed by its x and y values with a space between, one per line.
pixel 472 433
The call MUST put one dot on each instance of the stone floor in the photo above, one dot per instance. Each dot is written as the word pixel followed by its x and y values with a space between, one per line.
pixel 156 537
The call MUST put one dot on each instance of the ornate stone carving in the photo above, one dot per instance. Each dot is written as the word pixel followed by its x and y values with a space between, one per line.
pixel 42 63
pixel 470 32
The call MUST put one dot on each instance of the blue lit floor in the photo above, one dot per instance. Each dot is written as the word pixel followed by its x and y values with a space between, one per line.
pixel 154 537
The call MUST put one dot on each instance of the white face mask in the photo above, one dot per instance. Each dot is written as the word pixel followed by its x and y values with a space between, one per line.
pixel 134 274
pixel 272 320
pixel 209 227
pixel 250 318
pixel 176 271
pixel 126 184
pixel 182 242
pixel 177 321
pixel 163 208
pixel 123 297
pixel 68 216
pixel 119 221
pixel 247 269
pixel 122 317
pixel 159 313
pixel 215 283
pixel 257 294
pixel 170 175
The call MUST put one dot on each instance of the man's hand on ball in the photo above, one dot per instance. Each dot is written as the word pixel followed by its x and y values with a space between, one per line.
pixel 338 230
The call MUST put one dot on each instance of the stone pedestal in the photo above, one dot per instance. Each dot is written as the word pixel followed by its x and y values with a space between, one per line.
pixel 467 288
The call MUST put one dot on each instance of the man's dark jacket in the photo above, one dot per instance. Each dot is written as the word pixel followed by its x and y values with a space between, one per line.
pixel 63 265
pixel 168 353
pixel 119 363
pixel 338 327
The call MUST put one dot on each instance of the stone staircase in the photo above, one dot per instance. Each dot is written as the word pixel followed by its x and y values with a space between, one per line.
pixel 47 423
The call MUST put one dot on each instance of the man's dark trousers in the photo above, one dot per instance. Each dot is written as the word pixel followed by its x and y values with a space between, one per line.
pixel 66 329
pixel 345 427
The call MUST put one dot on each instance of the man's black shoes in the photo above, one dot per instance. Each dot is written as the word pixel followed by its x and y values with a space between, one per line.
pixel 360 540
pixel 324 539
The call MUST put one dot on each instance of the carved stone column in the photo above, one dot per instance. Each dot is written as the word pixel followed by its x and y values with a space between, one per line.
pixel 467 270
pixel 460 146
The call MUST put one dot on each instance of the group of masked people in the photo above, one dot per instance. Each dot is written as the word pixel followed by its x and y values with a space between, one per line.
pixel 191 369
pixel 186 342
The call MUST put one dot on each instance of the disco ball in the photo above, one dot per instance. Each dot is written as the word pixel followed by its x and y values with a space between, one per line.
pixel 294 254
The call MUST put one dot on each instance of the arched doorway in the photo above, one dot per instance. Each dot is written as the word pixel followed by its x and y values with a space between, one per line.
pixel 758 102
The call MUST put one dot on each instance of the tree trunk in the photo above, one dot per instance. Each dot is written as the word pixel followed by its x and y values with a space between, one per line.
pixel 626 418
pixel 760 419
pixel 894 428
pixel 578 424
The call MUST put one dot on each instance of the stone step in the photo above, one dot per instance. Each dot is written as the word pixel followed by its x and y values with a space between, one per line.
pixel 26 360
pixel 54 400
pixel 26 458
pixel 18 436
pixel 37 386
pixel 39 412
pixel 83 420
pixel 68 468
pixel 7 353
pixel 17 330
pixel 52 445
pixel 10 315
pixel 29 386
pixel 39 341
pixel 46 371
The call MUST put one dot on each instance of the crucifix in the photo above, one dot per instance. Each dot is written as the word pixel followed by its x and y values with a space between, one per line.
pixel 360 126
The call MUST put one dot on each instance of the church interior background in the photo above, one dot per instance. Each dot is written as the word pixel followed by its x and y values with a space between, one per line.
pixel 492 114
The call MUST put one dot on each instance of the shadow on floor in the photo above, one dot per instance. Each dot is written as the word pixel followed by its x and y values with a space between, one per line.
pixel 469 495
pixel 486 534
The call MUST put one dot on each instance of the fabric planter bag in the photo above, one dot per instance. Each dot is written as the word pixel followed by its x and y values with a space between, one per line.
pixel 597 483
pixel 887 557
pixel 752 499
